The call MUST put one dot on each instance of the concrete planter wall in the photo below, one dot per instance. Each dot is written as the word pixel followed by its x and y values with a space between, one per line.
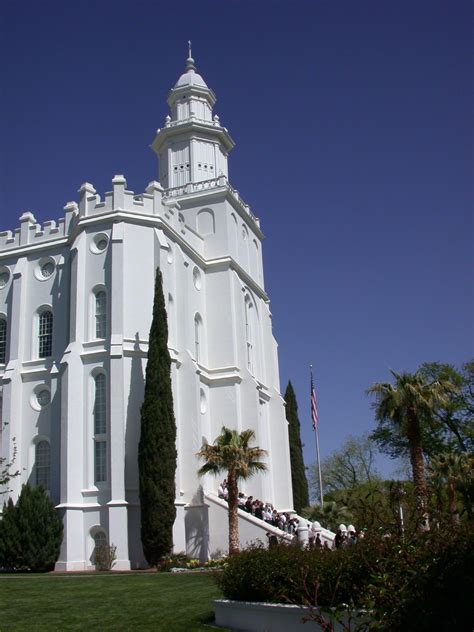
pixel 246 616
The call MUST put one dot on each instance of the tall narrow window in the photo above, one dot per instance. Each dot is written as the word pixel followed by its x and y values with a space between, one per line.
pixel 171 322
pixel 197 337
pixel 100 314
pixel 100 429
pixel 45 334
pixel 3 340
pixel 248 334
pixel 43 464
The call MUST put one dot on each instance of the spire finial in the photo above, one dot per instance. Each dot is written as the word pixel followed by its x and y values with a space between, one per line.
pixel 190 61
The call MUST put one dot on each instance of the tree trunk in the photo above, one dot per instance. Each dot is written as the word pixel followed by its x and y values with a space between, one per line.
pixel 453 510
pixel 233 513
pixel 418 467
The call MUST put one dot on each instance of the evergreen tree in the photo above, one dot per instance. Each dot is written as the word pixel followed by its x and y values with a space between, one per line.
pixel 157 448
pixel 9 537
pixel 298 473
pixel 30 532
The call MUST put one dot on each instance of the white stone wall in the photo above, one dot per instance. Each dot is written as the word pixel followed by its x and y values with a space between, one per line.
pixel 207 270
pixel 207 244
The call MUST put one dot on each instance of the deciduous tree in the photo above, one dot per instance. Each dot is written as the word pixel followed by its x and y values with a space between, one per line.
pixel 349 467
pixel 6 470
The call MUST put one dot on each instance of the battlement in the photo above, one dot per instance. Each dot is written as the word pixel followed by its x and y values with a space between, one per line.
pixel 30 232
pixel 119 199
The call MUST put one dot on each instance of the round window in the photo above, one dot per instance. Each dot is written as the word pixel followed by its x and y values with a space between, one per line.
pixel 47 269
pixel 43 397
pixel 102 244
pixel 99 243
pixel 4 277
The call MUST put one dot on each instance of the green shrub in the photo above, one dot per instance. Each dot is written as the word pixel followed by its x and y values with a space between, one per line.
pixel 293 575
pixel 105 556
pixel 425 584
pixel 422 583
pixel 30 532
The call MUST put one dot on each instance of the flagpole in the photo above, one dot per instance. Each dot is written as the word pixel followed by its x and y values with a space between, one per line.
pixel 316 436
pixel 316 433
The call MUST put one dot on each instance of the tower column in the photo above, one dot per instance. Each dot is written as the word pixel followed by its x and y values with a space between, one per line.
pixel 117 506
pixel 73 425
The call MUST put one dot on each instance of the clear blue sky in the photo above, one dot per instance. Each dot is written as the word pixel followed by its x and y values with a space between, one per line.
pixel 353 130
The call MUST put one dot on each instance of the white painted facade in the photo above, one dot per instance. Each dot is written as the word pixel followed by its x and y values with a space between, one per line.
pixel 74 407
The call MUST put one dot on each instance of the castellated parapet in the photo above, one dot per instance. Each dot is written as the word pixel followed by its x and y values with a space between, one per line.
pixel 155 201
pixel 30 233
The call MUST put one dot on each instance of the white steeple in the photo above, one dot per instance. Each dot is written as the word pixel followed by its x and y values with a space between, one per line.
pixel 192 146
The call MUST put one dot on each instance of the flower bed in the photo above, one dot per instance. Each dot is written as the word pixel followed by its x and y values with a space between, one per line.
pixel 179 563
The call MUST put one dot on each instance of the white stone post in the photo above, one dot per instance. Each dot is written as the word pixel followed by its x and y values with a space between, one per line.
pixel 302 532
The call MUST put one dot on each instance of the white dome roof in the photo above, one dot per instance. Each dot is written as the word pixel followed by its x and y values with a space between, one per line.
pixel 190 77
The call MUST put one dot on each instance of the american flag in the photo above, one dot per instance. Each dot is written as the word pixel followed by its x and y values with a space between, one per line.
pixel 314 405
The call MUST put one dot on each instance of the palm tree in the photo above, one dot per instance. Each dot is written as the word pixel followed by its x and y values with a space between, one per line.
pixel 407 404
pixel 452 470
pixel 231 453
pixel 330 514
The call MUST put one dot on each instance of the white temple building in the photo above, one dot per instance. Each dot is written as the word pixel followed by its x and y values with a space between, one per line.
pixel 76 301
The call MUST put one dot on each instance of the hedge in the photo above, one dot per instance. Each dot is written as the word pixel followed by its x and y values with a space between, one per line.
pixel 422 583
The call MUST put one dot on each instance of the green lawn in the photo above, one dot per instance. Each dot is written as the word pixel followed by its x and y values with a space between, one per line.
pixel 141 601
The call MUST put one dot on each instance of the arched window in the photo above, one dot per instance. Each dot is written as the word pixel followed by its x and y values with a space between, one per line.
pixel 255 261
pixel 3 340
pixel 45 334
pixel 43 464
pixel 100 314
pixel 100 428
pixel 197 337
pixel 249 333
pixel 245 260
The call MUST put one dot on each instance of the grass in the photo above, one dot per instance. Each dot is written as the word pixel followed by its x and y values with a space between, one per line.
pixel 138 601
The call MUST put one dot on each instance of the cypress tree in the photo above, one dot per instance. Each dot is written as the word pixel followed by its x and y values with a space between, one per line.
pixel 157 447
pixel 298 473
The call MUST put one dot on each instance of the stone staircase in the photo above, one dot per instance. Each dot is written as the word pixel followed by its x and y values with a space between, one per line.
pixel 251 529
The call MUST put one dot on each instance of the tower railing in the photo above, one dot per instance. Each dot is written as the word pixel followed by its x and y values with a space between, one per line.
pixel 220 182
